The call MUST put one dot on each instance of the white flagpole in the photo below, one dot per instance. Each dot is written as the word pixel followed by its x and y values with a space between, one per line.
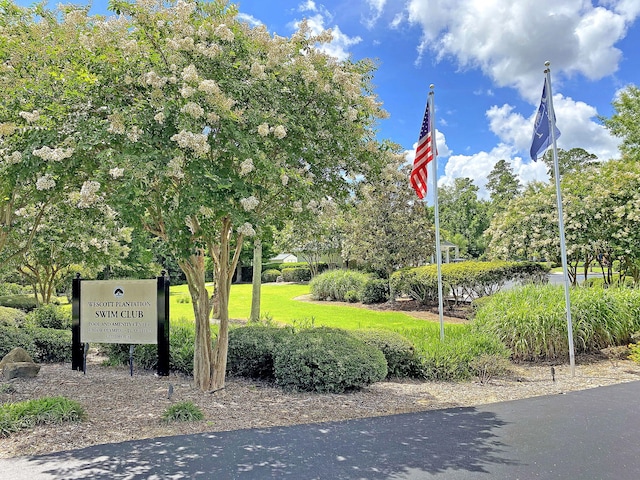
pixel 434 176
pixel 563 247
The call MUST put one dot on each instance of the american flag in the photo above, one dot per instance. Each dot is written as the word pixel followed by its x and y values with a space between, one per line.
pixel 424 154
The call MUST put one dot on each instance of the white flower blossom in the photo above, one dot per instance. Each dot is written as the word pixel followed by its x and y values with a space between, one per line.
pixel 352 114
pixel 280 132
pixel 213 118
pixel 193 109
pixel 45 182
pixel 246 167
pixel 224 32
pixel 249 203
pixel 297 206
pixel 206 212
pixel 175 167
pixel 186 91
pixel 53 154
pixel 257 70
pixel 30 117
pixel 190 74
pixel 116 172
pixel 263 130
pixel 116 124
pixel 155 80
pixel 246 230
pixel 194 141
pixel 134 134
pixel 15 157
pixel 209 86
pixel 284 179
pixel 159 117
pixel 88 194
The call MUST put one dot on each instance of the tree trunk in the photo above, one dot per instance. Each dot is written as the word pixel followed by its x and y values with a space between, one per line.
pixel 193 268
pixel 225 270
pixel 257 280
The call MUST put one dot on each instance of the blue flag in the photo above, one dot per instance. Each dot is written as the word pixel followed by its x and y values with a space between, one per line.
pixel 541 136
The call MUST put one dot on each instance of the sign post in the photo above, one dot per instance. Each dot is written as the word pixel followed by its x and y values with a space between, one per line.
pixel 121 311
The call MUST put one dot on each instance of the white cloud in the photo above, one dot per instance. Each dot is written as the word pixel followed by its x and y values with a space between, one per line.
pixel 254 22
pixel 308 6
pixel 576 121
pixel 510 41
pixel 376 7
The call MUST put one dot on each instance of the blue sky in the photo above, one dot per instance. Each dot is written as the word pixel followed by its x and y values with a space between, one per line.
pixel 486 60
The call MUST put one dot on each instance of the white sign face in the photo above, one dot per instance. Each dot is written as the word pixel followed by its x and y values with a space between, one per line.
pixel 119 311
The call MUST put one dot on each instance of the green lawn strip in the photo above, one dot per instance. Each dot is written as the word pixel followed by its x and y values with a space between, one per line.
pixel 278 302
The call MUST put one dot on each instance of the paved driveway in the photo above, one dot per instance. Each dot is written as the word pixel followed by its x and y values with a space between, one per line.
pixel 593 434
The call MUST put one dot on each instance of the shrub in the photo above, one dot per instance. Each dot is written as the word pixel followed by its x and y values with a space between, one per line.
pixel 251 350
pixel 14 289
pixel 375 290
pixel 182 412
pixel 41 411
pixel 181 348
pixel 531 320
pixel 50 316
pixel 464 280
pixel 11 317
pixel 22 302
pixel 487 366
pixel 352 296
pixel 297 274
pixel 327 360
pixel 270 275
pixel 334 284
pixel 397 350
pixel 417 283
pixel 50 345
pixel 12 337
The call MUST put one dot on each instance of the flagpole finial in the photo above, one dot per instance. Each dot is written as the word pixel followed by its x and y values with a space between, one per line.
pixel 547 63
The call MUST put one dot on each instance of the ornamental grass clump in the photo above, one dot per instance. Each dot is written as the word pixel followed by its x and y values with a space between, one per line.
pixel 41 411
pixel 183 412
pixel 531 320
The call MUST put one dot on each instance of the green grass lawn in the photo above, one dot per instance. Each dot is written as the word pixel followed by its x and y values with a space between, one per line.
pixel 278 302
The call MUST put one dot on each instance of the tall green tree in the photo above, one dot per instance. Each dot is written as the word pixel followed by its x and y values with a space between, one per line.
pixel 387 227
pixel 503 185
pixel 461 212
pixel 569 161
pixel 625 122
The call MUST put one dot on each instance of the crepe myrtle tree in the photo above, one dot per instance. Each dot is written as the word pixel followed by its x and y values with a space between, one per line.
pixel 45 92
pixel 206 120
pixel 79 230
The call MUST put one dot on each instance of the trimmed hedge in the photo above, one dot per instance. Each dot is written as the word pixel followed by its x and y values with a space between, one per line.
pixel 327 360
pixel 22 302
pixel 465 280
pixel 252 349
pixel 50 316
pixel 375 290
pixel 296 274
pixel 42 344
pixel 12 317
pixel 397 350
pixel 270 275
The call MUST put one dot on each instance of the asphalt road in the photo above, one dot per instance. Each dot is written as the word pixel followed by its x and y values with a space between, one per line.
pixel 588 435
